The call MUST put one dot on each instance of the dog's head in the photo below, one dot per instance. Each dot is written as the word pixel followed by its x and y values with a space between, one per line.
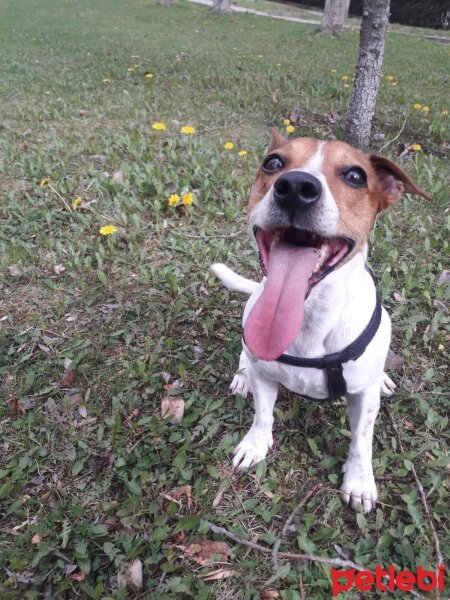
pixel 311 209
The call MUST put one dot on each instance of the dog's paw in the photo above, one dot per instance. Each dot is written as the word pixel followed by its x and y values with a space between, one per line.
pixel 240 385
pixel 388 387
pixel 359 489
pixel 253 448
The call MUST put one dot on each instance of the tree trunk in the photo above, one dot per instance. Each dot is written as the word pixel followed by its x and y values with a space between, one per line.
pixel 334 15
pixel 221 5
pixel 358 122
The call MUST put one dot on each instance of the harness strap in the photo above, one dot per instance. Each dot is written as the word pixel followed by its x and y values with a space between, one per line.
pixel 333 363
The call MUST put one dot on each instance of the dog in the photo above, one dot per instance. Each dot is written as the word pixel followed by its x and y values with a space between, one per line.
pixel 315 323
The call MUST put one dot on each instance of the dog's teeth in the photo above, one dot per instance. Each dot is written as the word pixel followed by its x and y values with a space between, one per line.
pixel 322 256
pixel 276 239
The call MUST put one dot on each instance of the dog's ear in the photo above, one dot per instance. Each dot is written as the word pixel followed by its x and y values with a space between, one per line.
pixel 393 182
pixel 276 140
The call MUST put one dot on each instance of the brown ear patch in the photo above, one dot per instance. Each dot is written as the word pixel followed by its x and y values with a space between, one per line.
pixel 276 140
pixel 393 182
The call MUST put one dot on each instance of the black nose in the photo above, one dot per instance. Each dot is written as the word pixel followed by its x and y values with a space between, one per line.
pixel 296 190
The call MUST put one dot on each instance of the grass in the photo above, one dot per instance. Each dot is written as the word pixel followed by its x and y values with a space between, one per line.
pixel 96 331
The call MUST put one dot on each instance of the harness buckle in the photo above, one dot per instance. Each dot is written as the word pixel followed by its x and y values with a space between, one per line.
pixel 335 376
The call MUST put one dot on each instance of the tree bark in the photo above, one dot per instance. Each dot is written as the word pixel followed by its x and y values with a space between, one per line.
pixel 334 15
pixel 361 109
pixel 221 5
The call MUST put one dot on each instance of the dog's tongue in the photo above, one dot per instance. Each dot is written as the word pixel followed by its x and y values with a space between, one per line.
pixel 275 319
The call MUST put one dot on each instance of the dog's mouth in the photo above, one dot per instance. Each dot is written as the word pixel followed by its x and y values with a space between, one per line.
pixel 293 260
pixel 331 250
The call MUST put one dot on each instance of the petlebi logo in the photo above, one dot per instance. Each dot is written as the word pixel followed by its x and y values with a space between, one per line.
pixel 387 580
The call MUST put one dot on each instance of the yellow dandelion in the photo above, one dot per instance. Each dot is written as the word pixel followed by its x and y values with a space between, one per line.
pixel 278 65
pixel 44 181
pixel 159 126
pixel 333 71
pixel 228 145
pixel 130 69
pixel 106 80
pixel 107 230
pixel 425 109
pixel 187 130
pixel 416 147
pixel 346 85
pixel 286 122
pixel 445 113
pixel 417 106
pixel 138 66
pixel 149 76
pixel 188 199
pixel 242 152
pixel 260 55
pixel 390 78
pixel 394 82
pixel 290 129
pixel 345 77
pixel 76 202
pixel 173 200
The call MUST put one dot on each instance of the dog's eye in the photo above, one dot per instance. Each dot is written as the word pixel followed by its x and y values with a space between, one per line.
pixel 355 177
pixel 272 164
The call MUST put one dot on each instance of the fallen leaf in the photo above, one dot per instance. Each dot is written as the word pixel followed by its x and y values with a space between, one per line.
pixel 75 399
pixel 399 298
pixel 20 406
pixel 216 575
pixel 117 177
pixel 172 408
pixel 82 411
pixel 170 187
pixel 207 551
pixel 130 576
pixel 98 158
pixel 440 306
pixel 444 277
pixel 14 271
pixel 393 361
pixel 68 378
pixel 36 539
pixel 183 490
pixel 269 594
pixel 67 363
pixel 59 269
pixel 80 576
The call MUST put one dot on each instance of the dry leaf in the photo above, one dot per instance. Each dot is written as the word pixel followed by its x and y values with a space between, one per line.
pixel 215 575
pixel 130 576
pixel 82 410
pixel 444 277
pixel 59 269
pixel 172 408
pixel 393 361
pixel 117 177
pixel 170 187
pixel 98 158
pixel 20 406
pixel 68 378
pixel 14 271
pixel 440 306
pixel 80 576
pixel 183 490
pixel 399 298
pixel 269 594
pixel 75 399
pixel 207 551
pixel 36 539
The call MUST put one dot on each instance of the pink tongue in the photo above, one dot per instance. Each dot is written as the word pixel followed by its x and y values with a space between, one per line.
pixel 275 319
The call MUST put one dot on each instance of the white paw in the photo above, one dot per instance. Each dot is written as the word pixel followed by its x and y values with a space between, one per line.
pixel 253 448
pixel 388 387
pixel 358 488
pixel 240 385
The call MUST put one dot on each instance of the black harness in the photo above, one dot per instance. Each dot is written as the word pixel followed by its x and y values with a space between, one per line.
pixel 333 363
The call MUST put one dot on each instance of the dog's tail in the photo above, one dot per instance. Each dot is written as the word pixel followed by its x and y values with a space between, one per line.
pixel 232 280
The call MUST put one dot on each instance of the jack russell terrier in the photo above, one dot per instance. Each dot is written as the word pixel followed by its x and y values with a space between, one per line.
pixel 315 323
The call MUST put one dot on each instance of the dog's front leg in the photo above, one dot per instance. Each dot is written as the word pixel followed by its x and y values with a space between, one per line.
pixel 255 445
pixel 359 486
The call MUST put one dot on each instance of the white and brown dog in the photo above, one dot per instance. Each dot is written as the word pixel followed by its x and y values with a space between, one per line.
pixel 311 210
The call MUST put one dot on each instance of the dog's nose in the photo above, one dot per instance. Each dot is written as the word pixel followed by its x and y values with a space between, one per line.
pixel 296 190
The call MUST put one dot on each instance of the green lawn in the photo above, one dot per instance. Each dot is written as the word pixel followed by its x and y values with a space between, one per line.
pixel 96 330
